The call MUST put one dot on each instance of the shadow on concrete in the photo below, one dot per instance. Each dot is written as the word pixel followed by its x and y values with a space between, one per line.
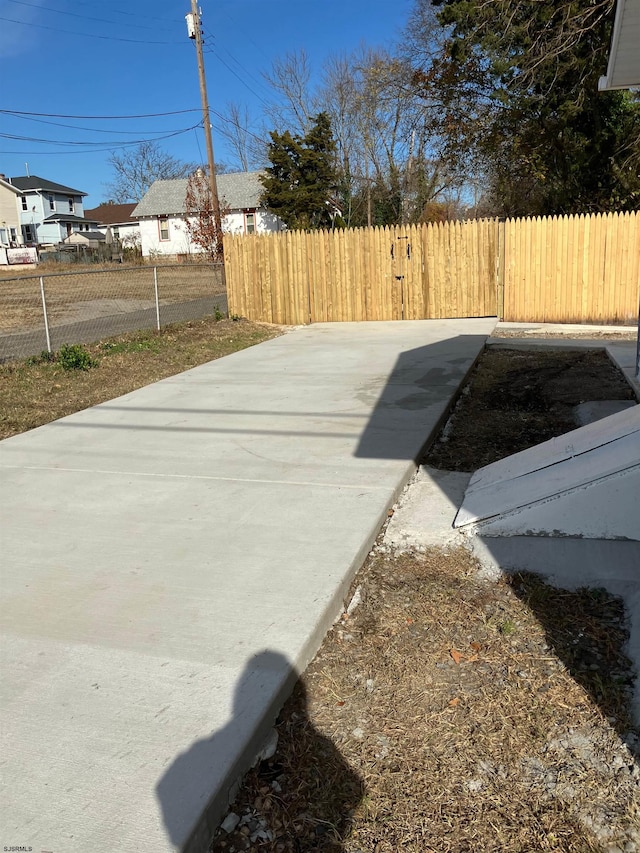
pixel 408 407
pixel 417 398
pixel 304 759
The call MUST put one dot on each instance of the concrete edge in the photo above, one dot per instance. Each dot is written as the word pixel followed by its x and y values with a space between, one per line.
pixel 628 373
pixel 223 798
pixel 446 414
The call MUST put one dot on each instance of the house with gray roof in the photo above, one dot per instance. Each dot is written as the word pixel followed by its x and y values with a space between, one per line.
pixel 162 215
pixel 49 212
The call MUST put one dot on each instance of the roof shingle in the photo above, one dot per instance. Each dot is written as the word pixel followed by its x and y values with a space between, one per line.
pixel 111 214
pixel 33 182
pixel 237 191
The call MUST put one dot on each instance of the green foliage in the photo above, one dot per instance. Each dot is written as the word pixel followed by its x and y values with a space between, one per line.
pixel 75 357
pixel 507 628
pixel 44 357
pixel 218 314
pixel 300 183
pixel 518 82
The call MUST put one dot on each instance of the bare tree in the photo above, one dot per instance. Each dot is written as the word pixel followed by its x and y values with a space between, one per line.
pixel 237 128
pixel 200 221
pixel 296 104
pixel 135 169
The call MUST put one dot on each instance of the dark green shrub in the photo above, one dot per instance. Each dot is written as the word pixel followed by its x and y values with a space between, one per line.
pixel 75 357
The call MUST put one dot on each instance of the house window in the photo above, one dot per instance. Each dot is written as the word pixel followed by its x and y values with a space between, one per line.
pixel 24 203
pixel 52 203
pixel 116 232
pixel 71 207
pixel 28 233
pixel 163 225
pixel 249 223
pixel 14 235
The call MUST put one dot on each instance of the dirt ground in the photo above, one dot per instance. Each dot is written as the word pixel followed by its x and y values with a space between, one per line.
pixel 446 712
pixel 518 398
pixel 80 294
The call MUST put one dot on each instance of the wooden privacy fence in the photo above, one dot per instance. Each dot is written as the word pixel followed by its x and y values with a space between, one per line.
pixel 405 272
pixel 557 269
pixel 572 269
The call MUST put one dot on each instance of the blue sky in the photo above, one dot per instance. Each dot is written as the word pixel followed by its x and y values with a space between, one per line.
pixel 133 57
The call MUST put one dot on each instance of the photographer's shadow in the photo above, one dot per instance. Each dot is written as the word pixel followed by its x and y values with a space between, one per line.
pixel 303 796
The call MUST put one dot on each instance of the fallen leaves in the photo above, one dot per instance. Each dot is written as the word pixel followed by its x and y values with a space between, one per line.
pixel 458 657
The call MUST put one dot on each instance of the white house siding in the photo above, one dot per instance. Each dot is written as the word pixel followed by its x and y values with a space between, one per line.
pixel 179 243
pixel 128 232
pixel 9 216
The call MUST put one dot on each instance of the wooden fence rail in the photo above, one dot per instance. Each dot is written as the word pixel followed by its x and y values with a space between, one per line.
pixel 558 269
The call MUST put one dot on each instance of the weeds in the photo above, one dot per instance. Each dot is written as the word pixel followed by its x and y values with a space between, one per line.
pixel 75 357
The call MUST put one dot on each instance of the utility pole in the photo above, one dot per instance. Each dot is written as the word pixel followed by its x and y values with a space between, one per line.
pixel 195 32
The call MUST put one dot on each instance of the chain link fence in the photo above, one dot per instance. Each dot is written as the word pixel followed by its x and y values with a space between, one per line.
pixel 43 312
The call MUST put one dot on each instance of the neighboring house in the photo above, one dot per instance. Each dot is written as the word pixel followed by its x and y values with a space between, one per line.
pixel 119 218
pixel 162 216
pixel 10 231
pixel 49 212
pixel 90 239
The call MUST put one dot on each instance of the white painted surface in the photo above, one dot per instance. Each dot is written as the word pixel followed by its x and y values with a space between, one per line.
pixel 179 242
pixel 583 483
pixel 623 69
pixel 9 215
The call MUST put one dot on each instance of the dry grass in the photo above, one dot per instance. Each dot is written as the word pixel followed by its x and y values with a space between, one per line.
pixel 451 713
pixel 34 392
pixel 78 294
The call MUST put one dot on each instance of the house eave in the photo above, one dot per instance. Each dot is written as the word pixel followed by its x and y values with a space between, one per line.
pixel 623 69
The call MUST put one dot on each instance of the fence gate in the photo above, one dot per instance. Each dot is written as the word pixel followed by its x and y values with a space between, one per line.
pixel 406 272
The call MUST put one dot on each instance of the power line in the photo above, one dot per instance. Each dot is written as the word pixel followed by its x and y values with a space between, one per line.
pixel 78 144
pixel 117 11
pixel 99 118
pixel 76 15
pixel 234 59
pixel 85 35
pixel 90 129
pixel 236 124
pixel 239 27
pixel 237 76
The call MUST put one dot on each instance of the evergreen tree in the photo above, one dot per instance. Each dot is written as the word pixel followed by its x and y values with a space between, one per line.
pixel 518 84
pixel 300 182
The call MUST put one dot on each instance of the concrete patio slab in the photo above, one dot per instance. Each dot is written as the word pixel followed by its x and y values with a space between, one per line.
pixel 172 559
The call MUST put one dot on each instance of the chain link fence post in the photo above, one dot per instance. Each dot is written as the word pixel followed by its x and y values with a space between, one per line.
pixel 44 314
pixel 155 290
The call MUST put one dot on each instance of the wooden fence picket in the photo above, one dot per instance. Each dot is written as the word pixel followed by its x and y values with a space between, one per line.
pixel 571 269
